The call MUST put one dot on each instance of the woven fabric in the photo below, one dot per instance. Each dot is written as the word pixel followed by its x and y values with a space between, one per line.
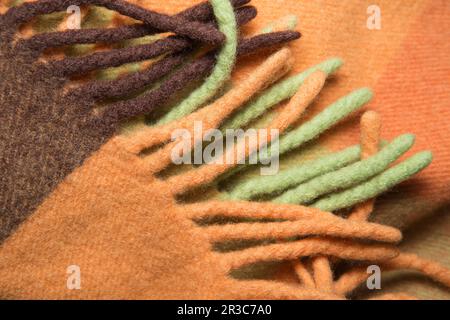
pixel 407 65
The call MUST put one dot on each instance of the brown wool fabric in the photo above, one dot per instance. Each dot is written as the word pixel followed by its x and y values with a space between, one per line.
pixel 122 226
pixel 45 134
pixel 164 23
pixel 130 239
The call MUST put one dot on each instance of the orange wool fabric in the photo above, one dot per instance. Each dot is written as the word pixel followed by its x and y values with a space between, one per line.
pixel 123 226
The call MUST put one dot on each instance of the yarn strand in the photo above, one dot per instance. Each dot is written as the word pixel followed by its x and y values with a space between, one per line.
pixel 376 185
pixel 278 93
pixel 118 57
pixel 370 141
pixel 314 227
pixel 201 12
pixel 343 249
pixel 273 68
pixel 285 179
pixel 102 89
pixel 178 80
pixel 254 210
pixel 194 30
pixel 303 274
pixel 222 70
pixel 286 117
pixel 348 176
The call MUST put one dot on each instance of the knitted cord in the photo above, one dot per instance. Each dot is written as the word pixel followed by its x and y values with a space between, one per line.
pixel 137 80
pixel 219 76
pixel 264 185
pixel 194 30
pixel 343 249
pixel 277 93
pixel 201 12
pixel 348 176
pixel 321 122
pixel 376 185
pixel 118 57
pixel 370 141
pixel 191 72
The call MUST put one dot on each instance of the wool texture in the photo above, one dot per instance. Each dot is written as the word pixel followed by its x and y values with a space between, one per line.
pixel 348 176
pixel 303 274
pixel 221 73
pixel 95 17
pixel 44 126
pixel 326 119
pixel 322 272
pixel 349 281
pixel 117 57
pixel 164 23
pixel 117 178
pixel 135 81
pixel 115 31
pixel 122 176
pixel 321 122
pixel 376 185
pixel 273 69
pixel 323 276
pixel 246 231
pixel 288 22
pixel 278 93
pixel 283 121
pixel 409 47
pixel 95 35
pixel 370 142
pixel 195 70
pixel 285 179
